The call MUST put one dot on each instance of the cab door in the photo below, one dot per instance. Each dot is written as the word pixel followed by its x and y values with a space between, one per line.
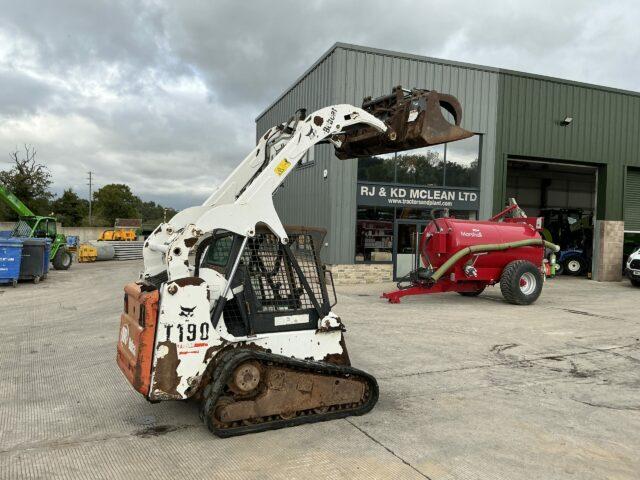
pixel 41 228
pixel 52 230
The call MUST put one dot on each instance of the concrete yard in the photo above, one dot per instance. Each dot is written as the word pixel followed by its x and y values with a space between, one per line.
pixel 470 388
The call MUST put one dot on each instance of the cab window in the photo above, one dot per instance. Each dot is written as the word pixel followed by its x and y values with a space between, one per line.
pixel 219 251
pixel 41 229
pixel 51 228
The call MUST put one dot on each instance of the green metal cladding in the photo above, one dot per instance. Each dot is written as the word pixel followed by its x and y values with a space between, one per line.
pixel 605 131
pixel 517 114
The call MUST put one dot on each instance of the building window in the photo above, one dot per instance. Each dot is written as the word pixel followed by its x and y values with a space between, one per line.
pixel 455 164
pixel 421 166
pixel 462 167
pixel 374 234
pixel 425 214
pixel 452 168
pixel 381 168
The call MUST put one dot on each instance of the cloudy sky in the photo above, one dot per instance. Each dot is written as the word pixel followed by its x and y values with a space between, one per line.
pixel 163 95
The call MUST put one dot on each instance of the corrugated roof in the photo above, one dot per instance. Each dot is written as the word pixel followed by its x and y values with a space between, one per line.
pixel 410 56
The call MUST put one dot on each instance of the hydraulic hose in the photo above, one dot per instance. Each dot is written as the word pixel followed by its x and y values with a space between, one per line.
pixel 489 247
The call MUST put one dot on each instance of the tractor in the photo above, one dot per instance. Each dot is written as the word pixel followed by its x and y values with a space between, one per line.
pixel 31 225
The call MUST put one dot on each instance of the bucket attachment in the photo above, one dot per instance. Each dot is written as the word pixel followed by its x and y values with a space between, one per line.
pixel 414 119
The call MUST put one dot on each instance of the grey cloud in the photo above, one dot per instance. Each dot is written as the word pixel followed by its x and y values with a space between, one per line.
pixel 21 94
pixel 162 95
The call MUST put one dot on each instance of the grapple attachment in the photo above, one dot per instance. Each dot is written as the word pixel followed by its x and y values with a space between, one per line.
pixel 414 119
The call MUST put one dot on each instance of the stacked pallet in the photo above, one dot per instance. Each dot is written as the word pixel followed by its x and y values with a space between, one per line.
pixel 127 250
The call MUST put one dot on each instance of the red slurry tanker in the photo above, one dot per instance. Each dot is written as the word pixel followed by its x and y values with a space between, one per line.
pixel 465 256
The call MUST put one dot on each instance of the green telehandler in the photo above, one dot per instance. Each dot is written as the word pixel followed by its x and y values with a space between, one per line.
pixel 35 226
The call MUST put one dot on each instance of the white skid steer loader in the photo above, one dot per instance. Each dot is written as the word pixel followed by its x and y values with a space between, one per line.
pixel 233 309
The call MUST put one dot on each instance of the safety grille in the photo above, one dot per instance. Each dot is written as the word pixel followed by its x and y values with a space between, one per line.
pixel 233 318
pixel 274 280
pixel 21 229
pixel 635 264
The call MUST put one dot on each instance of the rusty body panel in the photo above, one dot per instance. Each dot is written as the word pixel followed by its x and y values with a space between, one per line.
pixel 414 119
pixel 167 379
pixel 137 335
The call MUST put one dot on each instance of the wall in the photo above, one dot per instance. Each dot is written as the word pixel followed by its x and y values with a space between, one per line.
pixel 85 233
pixel 359 273
pixel 604 131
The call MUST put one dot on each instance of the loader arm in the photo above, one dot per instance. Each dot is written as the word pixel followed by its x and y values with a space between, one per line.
pixel 15 203
pixel 406 119
pixel 244 199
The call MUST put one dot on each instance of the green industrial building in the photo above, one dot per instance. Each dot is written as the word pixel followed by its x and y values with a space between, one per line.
pixel 555 145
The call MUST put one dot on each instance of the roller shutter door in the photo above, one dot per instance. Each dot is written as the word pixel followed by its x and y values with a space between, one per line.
pixel 632 201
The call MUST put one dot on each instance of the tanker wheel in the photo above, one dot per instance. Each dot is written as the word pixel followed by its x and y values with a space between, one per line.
pixel 575 266
pixel 521 282
pixel 474 293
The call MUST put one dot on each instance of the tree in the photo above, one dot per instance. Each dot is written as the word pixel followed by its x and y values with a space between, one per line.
pixel 116 201
pixel 70 209
pixel 27 180
pixel 154 211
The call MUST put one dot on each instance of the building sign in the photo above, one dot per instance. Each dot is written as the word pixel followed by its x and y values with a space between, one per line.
pixel 394 195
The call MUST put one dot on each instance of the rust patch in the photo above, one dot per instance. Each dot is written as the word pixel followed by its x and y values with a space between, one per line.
pixel 166 378
pixel 183 282
pixel 339 358
pixel 146 286
pixel 327 328
pixel 212 351
pixel 318 120
pixel 190 242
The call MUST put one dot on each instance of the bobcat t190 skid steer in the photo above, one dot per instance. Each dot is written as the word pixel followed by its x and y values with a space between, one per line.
pixel 232 307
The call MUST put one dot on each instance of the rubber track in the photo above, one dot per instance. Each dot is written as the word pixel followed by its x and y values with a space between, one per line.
pixel 231 359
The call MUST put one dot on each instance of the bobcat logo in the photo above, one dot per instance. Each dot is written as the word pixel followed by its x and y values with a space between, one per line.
pixel 312 132
pixel 186 312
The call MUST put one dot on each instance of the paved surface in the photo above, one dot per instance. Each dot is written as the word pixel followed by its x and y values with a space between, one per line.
pixel 470 388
